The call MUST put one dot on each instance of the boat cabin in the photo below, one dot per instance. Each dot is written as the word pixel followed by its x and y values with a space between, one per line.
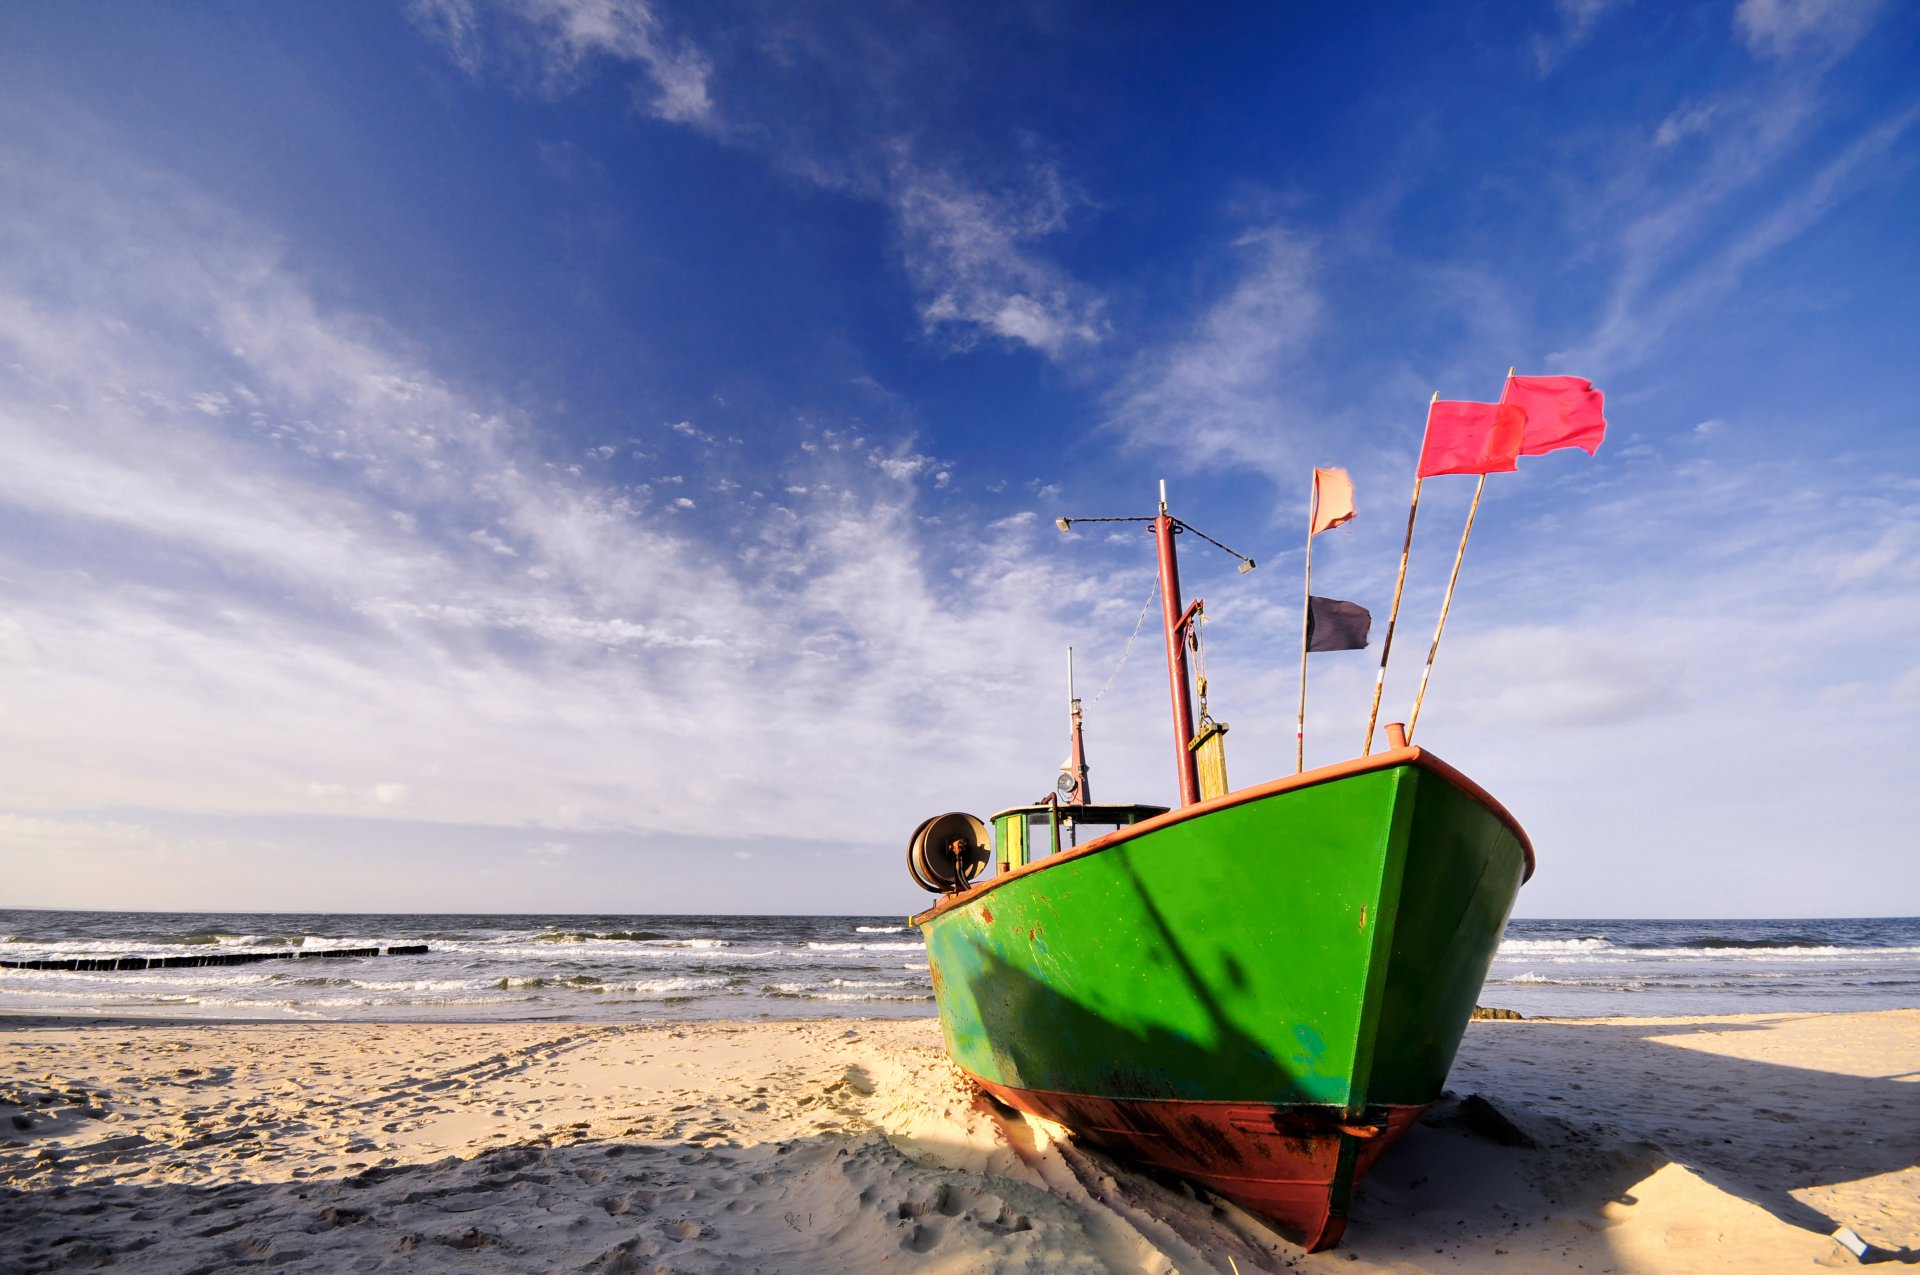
pixel 1023 833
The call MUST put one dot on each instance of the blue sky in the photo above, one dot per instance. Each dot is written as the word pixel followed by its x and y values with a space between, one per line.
pixel 601 455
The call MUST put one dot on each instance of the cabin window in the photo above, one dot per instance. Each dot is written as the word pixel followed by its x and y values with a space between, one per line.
pixel 1077 825
pixel 1074 831
pixel 1077 832
pixel 1040 835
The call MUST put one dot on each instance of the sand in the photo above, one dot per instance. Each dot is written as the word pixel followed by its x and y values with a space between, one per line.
pixel 1671 1145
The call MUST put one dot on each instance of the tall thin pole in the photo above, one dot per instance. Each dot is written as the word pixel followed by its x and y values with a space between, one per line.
pixel 1400 583
pixel 1306 625
pixel 1186 764
pixel 1077 755
pixel 1413 719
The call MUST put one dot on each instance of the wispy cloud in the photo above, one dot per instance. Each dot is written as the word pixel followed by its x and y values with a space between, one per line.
pixel 1218 392
pixel 361 588
pixel 970 244
pixel 969 256
pixel 1577 21
pixel 1665 280
pixel 1727 181
pixel 1790 28
pixel 563 37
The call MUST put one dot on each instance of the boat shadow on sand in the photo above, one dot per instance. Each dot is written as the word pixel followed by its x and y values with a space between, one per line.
pixel 1547 1126
pixel 1628 1097
pixel 1605 1106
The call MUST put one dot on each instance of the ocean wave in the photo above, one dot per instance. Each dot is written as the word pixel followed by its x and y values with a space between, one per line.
pixel 614 936
pixel 1531 979
pixel 866 947
pixel 412 985
pixel 521 983
pixel 362 1002
pixel 852 996
pixel 1714 942
pixel 795 989
pixel 663 986
pixel 143 980
pixel 1570 952
pixel 1528 946
pixel 879 929
pixel 205 939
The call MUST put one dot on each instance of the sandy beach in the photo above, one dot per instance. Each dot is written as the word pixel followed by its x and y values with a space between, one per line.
pixel 1673 1145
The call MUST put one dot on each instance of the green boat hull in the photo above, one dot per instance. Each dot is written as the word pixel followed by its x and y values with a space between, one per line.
pixel 1259 992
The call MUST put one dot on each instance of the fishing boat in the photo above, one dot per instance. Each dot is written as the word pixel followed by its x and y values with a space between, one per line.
pixel 1259 989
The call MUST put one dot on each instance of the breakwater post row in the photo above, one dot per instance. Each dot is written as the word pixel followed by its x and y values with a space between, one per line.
pixel 210 958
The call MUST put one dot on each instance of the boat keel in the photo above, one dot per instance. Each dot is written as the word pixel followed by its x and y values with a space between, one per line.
pixel 1293 1166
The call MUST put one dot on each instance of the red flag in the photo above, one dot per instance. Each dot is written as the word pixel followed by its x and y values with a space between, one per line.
pixel 1562 411
pixel 1332 500
pixel 1471 438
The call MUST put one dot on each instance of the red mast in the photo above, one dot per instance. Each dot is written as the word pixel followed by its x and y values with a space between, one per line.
pixel 1177 623
pixel 1176 620
pixel 1082 794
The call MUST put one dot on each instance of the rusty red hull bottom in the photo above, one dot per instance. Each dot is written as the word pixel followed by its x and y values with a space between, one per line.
pixel 1294 1166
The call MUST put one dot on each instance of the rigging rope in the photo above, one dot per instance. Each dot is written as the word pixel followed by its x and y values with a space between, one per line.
pixel 1199 648
pixel 1151 595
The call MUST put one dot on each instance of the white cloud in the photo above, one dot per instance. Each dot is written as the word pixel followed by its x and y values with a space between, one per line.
pixel 1690 247
pixel 1557 676
pixel 1786 28
pixel 493 542
pixel 902 468
pixel 1687 121
pixel 570 33
pixel 968 246
pixel 295 591
pixel 1219 393
pixel 966 253
pixel 1577 20
pixel 73 842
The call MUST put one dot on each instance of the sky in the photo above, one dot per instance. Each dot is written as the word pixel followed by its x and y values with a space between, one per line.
pixel 602 455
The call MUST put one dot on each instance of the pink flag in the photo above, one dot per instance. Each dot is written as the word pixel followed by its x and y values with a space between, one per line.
pixel 1471 438
pixel 1332 500
pixel 1562 411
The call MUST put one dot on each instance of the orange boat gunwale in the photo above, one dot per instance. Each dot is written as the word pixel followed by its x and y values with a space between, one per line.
pixel 1411 755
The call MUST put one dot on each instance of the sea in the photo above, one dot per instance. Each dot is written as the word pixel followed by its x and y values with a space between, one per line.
pixel 678 968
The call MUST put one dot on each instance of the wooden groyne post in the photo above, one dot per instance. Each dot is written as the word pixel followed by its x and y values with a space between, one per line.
pixel 210 958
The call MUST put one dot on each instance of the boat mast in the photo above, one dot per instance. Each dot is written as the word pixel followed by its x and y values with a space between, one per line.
pixel 1077 757
pixel 1175 619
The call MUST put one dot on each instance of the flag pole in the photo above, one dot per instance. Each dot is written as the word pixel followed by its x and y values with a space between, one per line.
pixel 1413 718
pixel 1406 547
pixel 1446 603
pixel 1306 621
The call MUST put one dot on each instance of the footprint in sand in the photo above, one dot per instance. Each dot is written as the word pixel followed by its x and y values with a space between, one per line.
pixel 921 1239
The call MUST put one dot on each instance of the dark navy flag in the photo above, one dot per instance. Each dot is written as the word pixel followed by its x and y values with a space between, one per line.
pixel 1333 625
